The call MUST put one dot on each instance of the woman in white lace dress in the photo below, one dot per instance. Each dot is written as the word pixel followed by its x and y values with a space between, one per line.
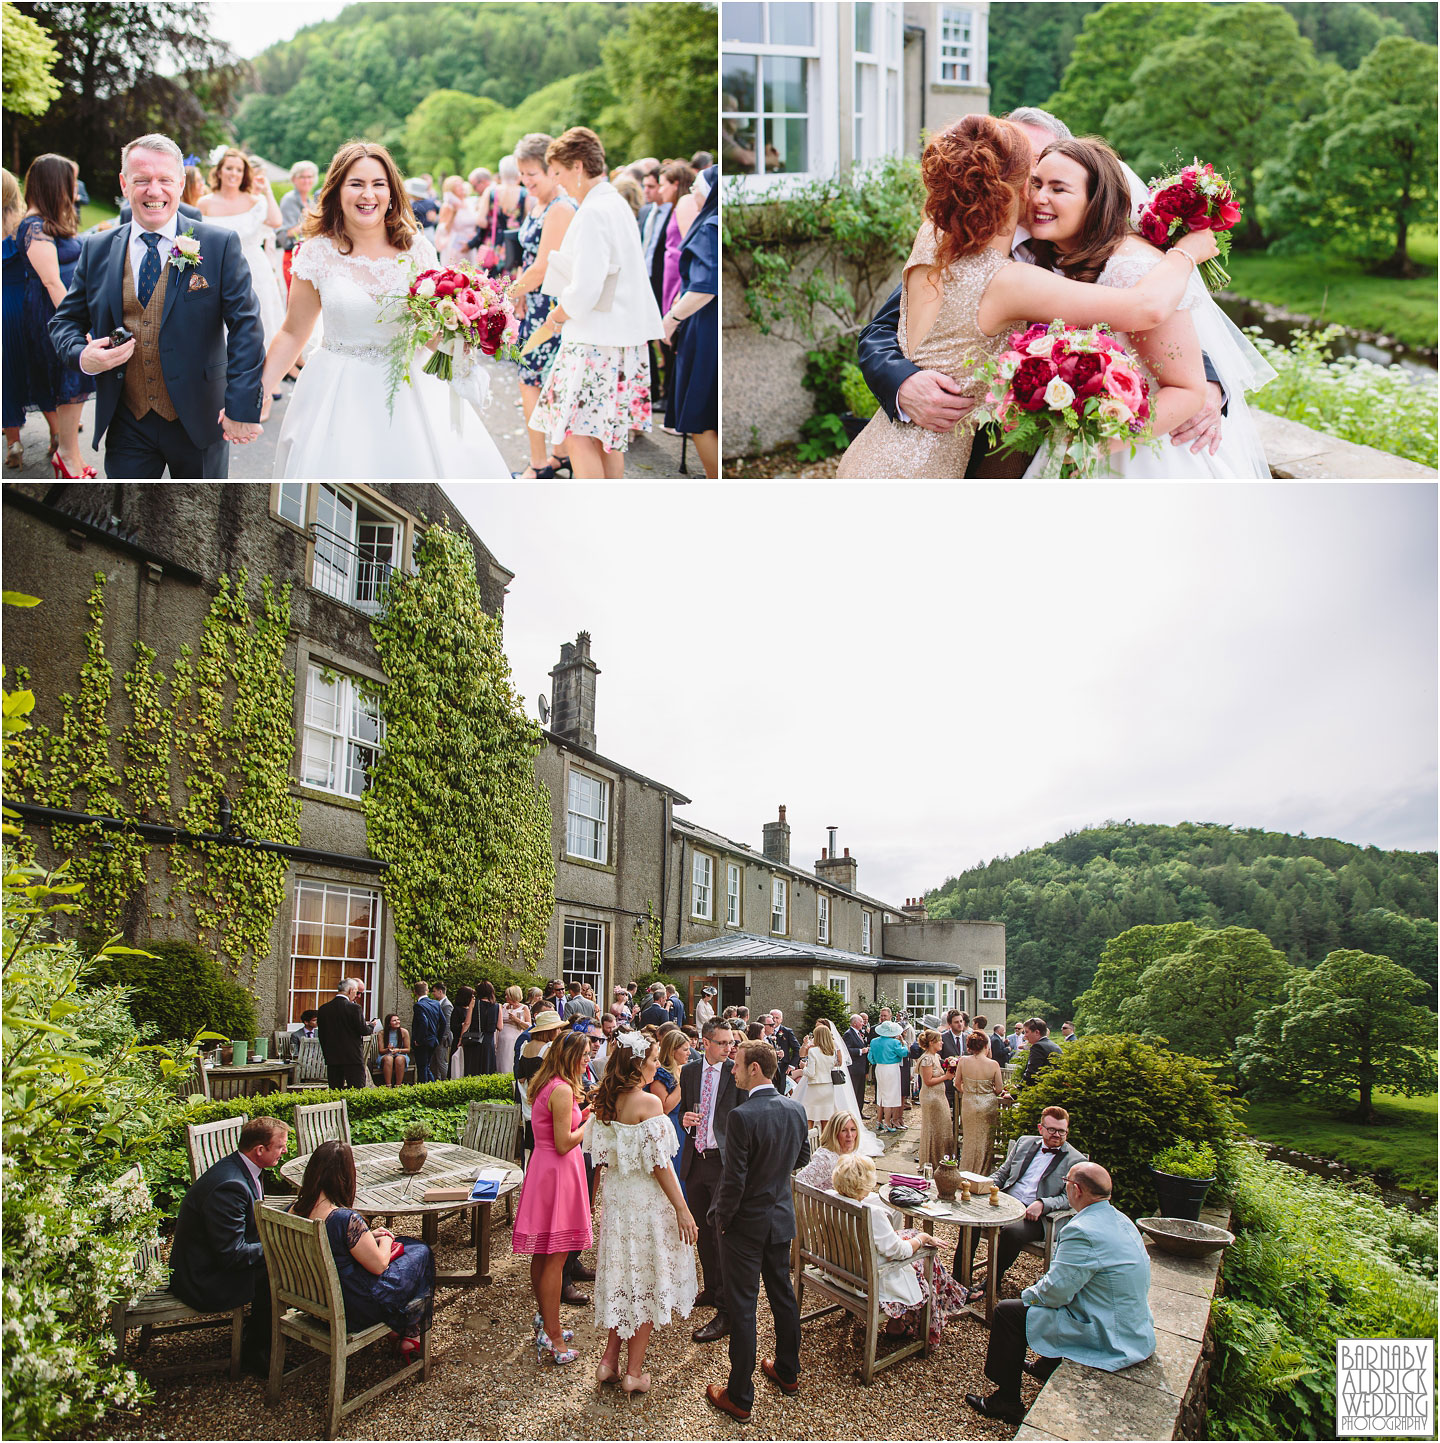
pixel 645 1259
pixel 1080 226
pixel 340 424
pixel 245 203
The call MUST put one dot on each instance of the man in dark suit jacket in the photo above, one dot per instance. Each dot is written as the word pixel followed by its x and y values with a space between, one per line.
pixel 655 1013
pixel 1033 1173
pixel 1042 1047
pixel 427 1022
pixel 187 384
pixel 952 1044
pixel 343 1031
pixel 766 1139
pixel 858 1046
pixel 702 1156
pixel 216 1260
pixel 999 1048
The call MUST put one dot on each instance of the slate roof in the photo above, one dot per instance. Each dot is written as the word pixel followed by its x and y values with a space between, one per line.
pixel 749 947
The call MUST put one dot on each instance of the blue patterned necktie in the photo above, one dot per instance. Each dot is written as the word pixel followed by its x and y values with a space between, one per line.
pixel 149 267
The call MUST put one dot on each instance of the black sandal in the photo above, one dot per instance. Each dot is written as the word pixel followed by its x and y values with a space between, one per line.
pixel 560 465
pixel 542 473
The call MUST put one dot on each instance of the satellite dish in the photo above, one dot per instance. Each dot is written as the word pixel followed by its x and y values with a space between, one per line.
pixel 544 710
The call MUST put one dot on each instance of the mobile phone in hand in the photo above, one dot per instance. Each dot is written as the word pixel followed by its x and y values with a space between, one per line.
pixel 120 335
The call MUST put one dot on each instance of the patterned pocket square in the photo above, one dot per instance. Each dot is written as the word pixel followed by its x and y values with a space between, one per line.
pixel 199 283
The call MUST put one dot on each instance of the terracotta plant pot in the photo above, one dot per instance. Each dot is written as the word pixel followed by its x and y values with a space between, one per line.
pixel 412 1156
pixel 947 1180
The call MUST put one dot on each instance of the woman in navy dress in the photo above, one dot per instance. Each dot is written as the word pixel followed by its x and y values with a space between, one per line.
pixel 486 1025
pixel 674 1054
pixel 14 354
pixel 50 248
pixel 398 1291
pixel 693 323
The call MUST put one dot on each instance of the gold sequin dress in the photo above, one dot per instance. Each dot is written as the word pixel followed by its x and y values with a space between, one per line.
pixel 900 450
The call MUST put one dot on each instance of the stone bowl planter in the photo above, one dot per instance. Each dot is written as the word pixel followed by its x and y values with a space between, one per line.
pixel 412 1156
pixel 1184 1238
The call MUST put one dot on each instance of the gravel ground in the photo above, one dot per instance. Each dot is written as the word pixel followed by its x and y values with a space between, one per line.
pixel 485 1383
pixel 781 464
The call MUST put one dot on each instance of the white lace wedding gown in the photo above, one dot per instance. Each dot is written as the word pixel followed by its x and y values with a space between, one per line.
pixel 337 425
pixel 250 226
pixel 644 1269
pixel 1239 366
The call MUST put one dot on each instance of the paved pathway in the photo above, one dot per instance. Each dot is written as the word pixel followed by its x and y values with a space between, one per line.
pixel 652 457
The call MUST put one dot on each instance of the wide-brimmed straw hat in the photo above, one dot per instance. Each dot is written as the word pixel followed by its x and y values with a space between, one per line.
pixel 546 1021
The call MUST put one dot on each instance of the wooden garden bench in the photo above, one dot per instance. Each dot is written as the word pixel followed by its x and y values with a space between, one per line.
pixel 321 1122
pixel 309 1069
pixel 836 1258
pixel 207 1142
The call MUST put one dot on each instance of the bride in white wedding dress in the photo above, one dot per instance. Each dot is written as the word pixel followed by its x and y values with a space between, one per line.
pixel 845 1099
pixel 338 424
pixel 1080 209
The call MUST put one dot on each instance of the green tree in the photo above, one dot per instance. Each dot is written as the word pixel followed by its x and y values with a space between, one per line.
pixel 1361 173
pixel 662 69
pixel 1118 972
pixel 573 100
pixel 1201 998
pixel 826 1002
pixel 1343 32
pixel 1114 40
pixel 1029 47
pixel 27 63
pixel 1228 93
pixel 435 129
pixel 1349 1026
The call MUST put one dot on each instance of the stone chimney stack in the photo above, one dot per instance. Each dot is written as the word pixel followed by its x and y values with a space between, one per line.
pixel 833 868
pixel 572 694
pixel 777 840
pixel 915 907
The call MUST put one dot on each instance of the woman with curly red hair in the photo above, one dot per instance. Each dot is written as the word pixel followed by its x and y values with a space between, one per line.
pixel 963 294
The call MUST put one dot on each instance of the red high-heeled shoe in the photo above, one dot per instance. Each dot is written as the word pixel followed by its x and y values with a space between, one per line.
pixel 87 473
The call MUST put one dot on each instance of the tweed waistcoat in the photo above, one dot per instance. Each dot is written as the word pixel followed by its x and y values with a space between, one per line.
pixel 144 387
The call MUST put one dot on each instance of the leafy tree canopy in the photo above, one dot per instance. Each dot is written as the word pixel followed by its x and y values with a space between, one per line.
pixel 576 100
pixel 1063 903
pixel 28 56
pixel 435 127
pixel 1361 172
pixel 1349 1026
pixel 663 71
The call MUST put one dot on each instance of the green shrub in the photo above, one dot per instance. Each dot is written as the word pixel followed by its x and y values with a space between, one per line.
pixel 1313 1261
pixel 858 396
pixel 825 1002
pixel 377 1114
pixel 181 990
pixel 1186 1159
pixel 1127 1101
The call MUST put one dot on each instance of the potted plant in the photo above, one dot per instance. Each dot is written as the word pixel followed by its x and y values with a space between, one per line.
pixel 1183 1173
pixel 947 1176
pixel 413 1151
pixel 858 397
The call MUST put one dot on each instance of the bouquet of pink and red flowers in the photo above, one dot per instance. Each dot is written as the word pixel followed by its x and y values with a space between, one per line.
pixel 464 309
pixel 1073 390
pixel 1198 198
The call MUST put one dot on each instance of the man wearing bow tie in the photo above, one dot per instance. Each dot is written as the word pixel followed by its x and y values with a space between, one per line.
pixel 1033 1173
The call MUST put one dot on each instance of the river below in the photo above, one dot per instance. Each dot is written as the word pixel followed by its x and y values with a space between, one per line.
pixel 1275 324
pixel 1416 1202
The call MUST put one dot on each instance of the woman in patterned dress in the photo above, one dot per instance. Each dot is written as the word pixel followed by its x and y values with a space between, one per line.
pixel 551 212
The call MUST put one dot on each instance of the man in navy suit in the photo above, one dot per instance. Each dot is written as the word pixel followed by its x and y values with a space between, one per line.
pixel 186 386
pixel 216 1260
pixel 766 1139
pixel 427 1022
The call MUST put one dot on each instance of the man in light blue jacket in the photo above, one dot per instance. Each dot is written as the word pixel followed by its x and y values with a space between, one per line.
pixel 1092 1307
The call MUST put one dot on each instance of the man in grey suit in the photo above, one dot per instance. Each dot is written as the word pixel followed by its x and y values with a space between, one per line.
pixel 766 1139
pixel 1033 1173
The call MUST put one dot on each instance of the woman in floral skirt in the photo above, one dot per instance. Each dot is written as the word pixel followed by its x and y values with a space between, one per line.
pixel 598 389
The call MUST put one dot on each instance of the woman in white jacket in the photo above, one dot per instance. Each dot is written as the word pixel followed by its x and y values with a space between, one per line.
pixel 598 389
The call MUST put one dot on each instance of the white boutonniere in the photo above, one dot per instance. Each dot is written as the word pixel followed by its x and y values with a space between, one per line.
pixel 185 250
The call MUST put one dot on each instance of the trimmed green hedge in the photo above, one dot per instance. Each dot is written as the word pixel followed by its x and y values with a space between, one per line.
pixel 377 1114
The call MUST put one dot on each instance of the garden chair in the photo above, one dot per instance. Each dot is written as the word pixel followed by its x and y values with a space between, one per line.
pixel 197 1080
pixel 310 1070
pixel 207 1142
pixel 161 1308
pixel 306 1306
pixel 836 1258
pixel 321 1122
pixel 280 1045
pixel 494 1128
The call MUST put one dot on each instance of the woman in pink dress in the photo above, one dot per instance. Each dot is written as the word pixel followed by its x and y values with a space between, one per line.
pixel 553 1218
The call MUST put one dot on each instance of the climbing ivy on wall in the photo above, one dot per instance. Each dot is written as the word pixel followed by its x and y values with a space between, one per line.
pixel 226 729
pixel 454 805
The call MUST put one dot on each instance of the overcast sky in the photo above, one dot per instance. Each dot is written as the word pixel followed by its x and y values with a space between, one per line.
pixel 953 673
pixel 248 26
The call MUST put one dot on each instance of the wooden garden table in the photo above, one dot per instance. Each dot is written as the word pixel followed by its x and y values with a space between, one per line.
pixel 967 1216
pixel 382 1186
pixel 249 1079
